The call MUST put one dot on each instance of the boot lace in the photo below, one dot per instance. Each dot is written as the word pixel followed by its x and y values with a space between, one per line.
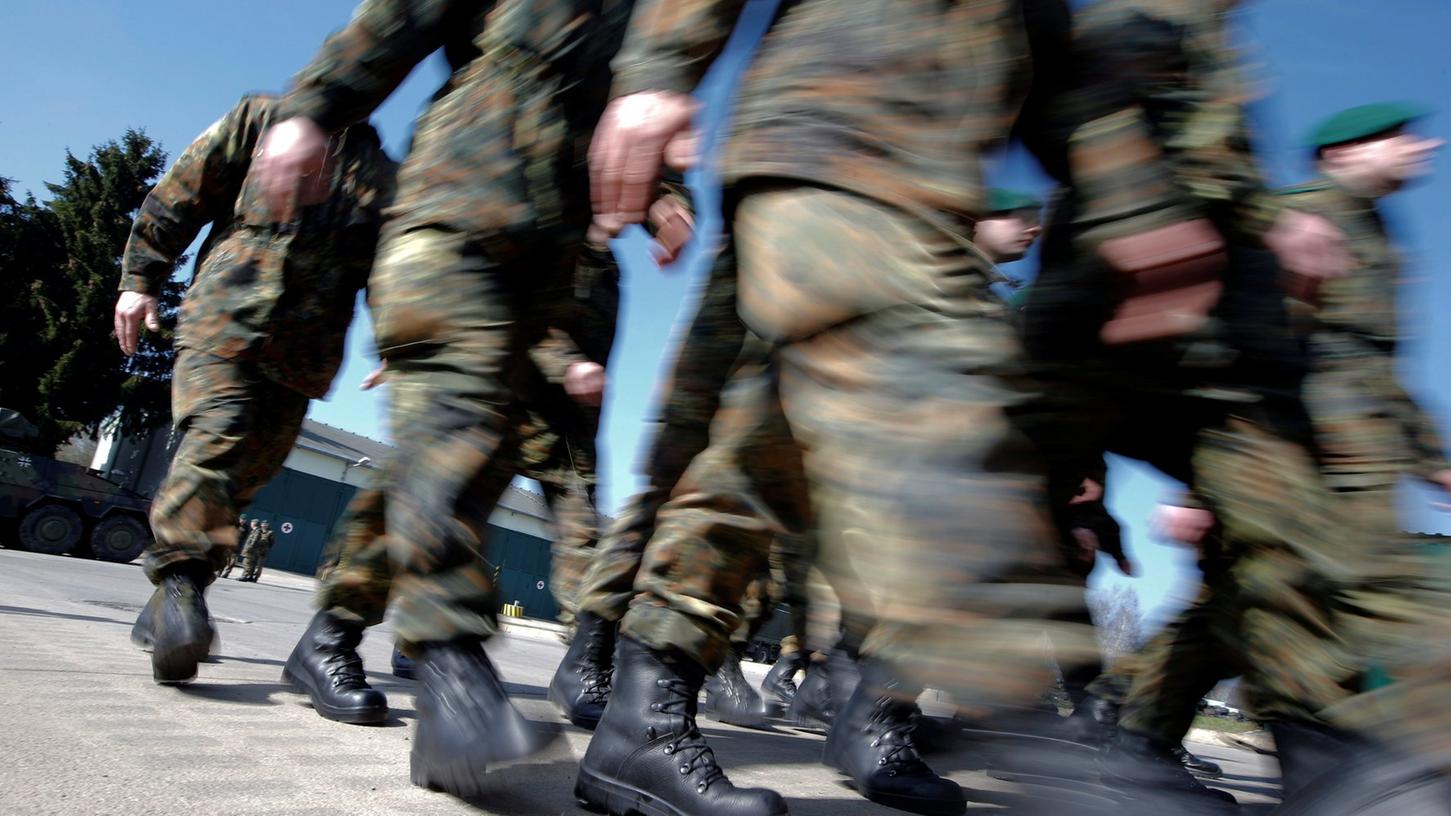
pixel 893 726
pixel 345 668
pixel 597 679
pixel 690 745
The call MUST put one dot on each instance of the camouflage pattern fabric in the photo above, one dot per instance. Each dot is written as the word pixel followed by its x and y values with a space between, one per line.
pixel 490 215
pixel 354 576
pixel 278 296
pixel 706 355
pixel 256 555
pixel 1313 601
pixel 502 147
pixel 1368 431
pixel 890 99
pixel 713 537
pixel 458 370
pixel 898 371
pixel 557 448
pixel 237 426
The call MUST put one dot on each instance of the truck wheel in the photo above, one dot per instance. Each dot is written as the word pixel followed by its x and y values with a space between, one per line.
pixel 119 538
pixel 53 529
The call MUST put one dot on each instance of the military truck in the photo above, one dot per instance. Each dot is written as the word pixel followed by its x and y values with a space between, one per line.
pixel 59 508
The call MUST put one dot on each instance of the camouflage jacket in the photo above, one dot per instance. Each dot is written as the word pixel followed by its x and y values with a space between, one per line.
pixel 502 149
pixel 279 294
pixel 890 99
pixel 1141 117
pixel 250 538
pixel 1355 322
pixel 1358 310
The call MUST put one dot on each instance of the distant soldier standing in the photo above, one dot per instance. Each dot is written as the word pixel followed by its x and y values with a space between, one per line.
pixel 256 555
pixel 246 535
pixel 261 334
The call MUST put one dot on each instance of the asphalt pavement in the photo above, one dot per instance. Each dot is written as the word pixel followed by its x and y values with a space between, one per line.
pixel 83 730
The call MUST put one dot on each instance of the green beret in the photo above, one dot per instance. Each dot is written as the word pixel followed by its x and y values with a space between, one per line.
pixel 1363 122
pixel 1005 201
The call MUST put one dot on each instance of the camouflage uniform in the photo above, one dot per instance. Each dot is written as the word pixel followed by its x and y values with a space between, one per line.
pixel 490 216
pixel 355 577
pixel 256 554
pixel 1306 603
pixel 262 325
pixel 701 411
pixel 1368 430
pixel 889 361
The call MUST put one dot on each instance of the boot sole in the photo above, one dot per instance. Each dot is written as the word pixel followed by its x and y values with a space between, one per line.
pixel 600 795
pixel 926 807
pixel 574 718
pixel 352 716
pixel 178 666
pixel 457 778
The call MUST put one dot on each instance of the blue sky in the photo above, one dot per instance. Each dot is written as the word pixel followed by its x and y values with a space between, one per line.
pixel 84 70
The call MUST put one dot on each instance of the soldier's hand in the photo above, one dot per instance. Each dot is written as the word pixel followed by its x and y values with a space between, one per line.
pixel 1089 492
pixel 133 310
pixel 1310 249
pixel 375 376
pixel 585 383
pixel 290 167
pixel 637 135
pixel 1186 525
pixel 673 224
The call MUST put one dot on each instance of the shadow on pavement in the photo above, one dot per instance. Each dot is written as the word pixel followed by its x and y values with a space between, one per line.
pixel 41 613
pixel 244 693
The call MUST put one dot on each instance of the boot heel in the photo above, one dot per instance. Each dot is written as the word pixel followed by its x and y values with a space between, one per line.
pixel 603 796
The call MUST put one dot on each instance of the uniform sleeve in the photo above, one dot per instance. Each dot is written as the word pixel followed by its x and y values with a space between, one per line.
pixel 366 61
pixel 671 43
pixel 200 188
pixel 1148 72
pixel 555 354
pixel 1422 437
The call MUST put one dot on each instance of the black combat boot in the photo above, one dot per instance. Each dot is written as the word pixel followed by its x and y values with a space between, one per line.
pixel 1331 773
pixel 1147 773
pixel 1092 722
pixel 730 697
pixel 780 683
pixel 181 633
pixel 465 719
pixel 647 756
pixel 872 742
pixel 813 702
pixel 326 667
pixel 403 665
pixel 581 684
pixel 142 632
pixel 1199 766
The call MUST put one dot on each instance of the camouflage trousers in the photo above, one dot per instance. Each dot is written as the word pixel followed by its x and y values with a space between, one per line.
pixel 707 354
pixel 699 412
pixel 1160 686
pixel 890 377
pixel 1309 602
pixel 1365 440
pixel 454 317
pixel 252 562
pixel 237 428
pixel 355 576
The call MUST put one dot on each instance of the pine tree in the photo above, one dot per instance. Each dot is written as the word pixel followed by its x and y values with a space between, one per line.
pixel 83 381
